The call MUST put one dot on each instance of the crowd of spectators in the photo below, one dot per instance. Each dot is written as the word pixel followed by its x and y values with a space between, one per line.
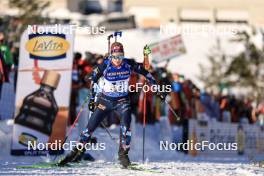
pixel 187 100
pixel 8 61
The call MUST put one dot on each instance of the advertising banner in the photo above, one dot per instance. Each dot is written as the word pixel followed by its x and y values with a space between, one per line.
pixel 167 49
pixel 43 89
pixel 247 138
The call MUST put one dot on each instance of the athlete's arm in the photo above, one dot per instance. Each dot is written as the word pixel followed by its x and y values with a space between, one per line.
pixel 96 74
pixel 139 68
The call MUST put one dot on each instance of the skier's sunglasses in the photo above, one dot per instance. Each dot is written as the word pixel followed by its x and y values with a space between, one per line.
pixel 118 57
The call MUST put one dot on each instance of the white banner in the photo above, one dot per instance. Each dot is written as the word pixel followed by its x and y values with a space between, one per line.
pixel 249 138
pixel 167 49
pixel 43 87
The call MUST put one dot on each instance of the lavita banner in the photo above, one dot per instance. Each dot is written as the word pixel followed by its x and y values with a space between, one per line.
pixel 43 89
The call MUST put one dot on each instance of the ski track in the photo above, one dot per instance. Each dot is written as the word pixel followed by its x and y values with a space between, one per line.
pixel 103 168
pixel 166 162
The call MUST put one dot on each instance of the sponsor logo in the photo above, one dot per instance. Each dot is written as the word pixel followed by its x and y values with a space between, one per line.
pixel 25 139
pixel 47 46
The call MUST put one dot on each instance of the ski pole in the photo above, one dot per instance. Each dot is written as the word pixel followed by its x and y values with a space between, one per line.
pixel 108 132
pixel 109 43
pixel 171 109
pixel 146 52
pixel 74 123
pixel 117 33
pixel 144 124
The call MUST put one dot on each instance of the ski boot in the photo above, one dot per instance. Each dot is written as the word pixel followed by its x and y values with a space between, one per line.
pixel 123 157
pixel 77 153
pixel 86 156
pixel 74 156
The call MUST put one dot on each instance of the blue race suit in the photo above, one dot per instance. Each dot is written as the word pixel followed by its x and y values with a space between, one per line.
pixel 114 97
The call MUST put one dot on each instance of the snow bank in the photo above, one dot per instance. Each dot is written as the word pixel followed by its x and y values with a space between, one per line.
pixel 5 136
pixel 165 162
pixel 154 134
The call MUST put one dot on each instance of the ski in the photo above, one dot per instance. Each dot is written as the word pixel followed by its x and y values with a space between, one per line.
pixel 38 165
pixel 47 165
pixel 44 165
pixel 137 167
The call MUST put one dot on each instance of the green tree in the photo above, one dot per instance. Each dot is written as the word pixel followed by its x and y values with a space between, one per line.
pixel 246 67
pixel 30 12
pixel 241 71
pixel 213 76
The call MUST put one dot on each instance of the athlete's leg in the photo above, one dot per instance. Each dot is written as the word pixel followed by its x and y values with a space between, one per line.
pixel 124 110
pixel 104 106
pixel 125 120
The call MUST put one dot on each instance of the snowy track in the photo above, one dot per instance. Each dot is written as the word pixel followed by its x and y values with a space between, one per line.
pixel 165 162
pixel 102 168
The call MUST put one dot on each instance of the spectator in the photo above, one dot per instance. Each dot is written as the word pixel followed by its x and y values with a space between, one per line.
pixel 149 105
pixel 260 112
pixel 2 74
pixel 75 86
pixel 225 109
pixel 185 98
pixel 7 57
pixel 176 99
pixel 199 107
pixel 15 55
pixel 246 111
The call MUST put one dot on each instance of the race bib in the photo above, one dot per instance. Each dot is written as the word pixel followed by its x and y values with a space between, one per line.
pixel 116 86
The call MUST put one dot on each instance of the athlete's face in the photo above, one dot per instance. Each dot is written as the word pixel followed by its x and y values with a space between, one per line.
pixel 117 58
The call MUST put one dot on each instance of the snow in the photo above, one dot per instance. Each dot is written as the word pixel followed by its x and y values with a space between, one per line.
pixel 159 162
pixel 171 168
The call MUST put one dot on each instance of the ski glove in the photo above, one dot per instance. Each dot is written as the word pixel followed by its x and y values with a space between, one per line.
pixel 91 104
pixel 147 50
